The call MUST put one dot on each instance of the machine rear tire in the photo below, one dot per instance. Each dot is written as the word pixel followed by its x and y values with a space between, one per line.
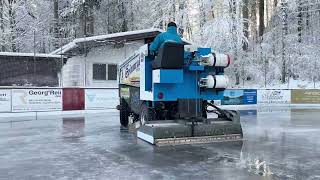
pixel 204 109
pixel 146 114
pixel 124 113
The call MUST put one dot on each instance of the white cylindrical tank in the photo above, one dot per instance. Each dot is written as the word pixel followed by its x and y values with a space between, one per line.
pixel 221 81
pixel 222 60
pixel 208 60
pixel 217 81
pixel 216 60
pixel 211 82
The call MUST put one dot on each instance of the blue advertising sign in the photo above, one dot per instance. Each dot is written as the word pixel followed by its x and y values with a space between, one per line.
pixel 239 97
pixel 250 96
pixel 232 97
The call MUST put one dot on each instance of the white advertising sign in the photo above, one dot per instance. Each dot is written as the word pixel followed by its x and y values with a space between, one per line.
pixel 96 99
pixel 24 100
pixel 5 100
pixel 130 71
pixel 274 96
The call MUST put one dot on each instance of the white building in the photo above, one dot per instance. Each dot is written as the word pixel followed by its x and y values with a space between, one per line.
pixel 93 61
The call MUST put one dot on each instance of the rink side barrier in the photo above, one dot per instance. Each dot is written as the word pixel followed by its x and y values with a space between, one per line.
pixel 69 99
pixel 57 99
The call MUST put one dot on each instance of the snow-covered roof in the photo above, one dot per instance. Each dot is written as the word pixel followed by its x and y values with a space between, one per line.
pixel 109 36
pixel 16 54
pixel 134 35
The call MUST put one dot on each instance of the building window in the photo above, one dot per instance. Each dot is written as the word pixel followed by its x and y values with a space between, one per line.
pixel 112 71
pixel 99 72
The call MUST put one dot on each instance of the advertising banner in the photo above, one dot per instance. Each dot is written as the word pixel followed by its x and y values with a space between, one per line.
pixel 274 96
pixel 305 96
pixel 96 99
pixel 239 97
pixel 250 96
pixel 232 97
pixel 130 71
pixel 5 100
pixel 24 100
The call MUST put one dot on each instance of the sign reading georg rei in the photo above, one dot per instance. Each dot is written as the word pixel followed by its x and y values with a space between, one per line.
pixel 24 100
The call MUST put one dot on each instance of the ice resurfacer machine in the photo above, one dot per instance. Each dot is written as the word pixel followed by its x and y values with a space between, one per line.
pixel 171 96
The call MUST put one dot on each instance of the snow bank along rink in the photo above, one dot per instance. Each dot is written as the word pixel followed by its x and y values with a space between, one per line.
pixel 280 143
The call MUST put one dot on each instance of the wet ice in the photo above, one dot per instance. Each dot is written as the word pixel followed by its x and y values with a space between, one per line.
pixel 280 143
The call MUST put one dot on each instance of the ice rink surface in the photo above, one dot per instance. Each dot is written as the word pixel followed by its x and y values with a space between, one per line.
pixel 280 143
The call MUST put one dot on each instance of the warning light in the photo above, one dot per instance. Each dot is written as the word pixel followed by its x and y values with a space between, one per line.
pixel 160 95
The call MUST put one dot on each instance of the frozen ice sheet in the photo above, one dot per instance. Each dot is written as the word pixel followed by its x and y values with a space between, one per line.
pixel 279 144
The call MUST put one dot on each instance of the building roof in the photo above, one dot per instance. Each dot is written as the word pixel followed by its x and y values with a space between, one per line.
pixel 16 54
pixel 77 44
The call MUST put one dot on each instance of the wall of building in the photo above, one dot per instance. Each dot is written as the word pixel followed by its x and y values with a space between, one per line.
pixel 79 69
pixel 73 72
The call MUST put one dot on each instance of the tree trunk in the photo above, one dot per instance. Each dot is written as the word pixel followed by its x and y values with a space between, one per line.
pixel 284 18
pixel 212 10
pixel 307 17
pixel 261 17
pixel 173 10
pixel 267 13
pixel 188 27
pixel 124 26
pixel 202 19
pixel 299 17
pixel 254 20
pixel 233 10
pixel 12 16
pixel 108 17
pixel 245 14
pixel 90 18
pixel 131 17
pixel 202 14
pixel 56 23
pixel 3 48
pixel 181 18
pixel 84 19
pixel 161 23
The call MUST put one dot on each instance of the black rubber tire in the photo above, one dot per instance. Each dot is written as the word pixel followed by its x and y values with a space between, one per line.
pixel 146 114
pixel 124 113
pixel 204 109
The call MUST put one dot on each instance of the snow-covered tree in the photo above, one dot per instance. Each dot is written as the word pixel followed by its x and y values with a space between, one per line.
pixel 271 41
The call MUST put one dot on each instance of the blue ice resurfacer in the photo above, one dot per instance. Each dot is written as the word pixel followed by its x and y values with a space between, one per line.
pixel 171 96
